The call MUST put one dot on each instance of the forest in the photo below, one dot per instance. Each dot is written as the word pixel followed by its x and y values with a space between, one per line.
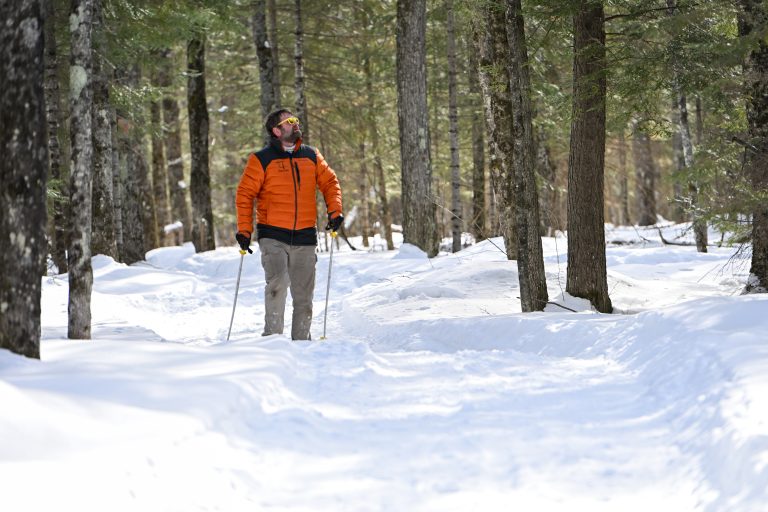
pixel 125 126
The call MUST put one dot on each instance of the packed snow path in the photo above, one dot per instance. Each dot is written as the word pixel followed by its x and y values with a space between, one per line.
pixel 431 392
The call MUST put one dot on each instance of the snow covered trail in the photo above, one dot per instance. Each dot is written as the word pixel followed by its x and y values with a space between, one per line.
pixel 432 392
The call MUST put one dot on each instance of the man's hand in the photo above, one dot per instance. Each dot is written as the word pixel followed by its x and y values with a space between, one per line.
pixel 334 223
pixel 244 241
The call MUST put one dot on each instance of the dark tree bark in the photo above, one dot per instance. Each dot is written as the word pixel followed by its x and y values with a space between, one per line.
pixel 530 258
pixel 478 223
pixel 23 169
pixel 587 276
pixel 81 103
pixel 298 58
pixel 131 190
pixel 453 132
pixel 623 181
pixel 117 190
pixel 493 50
pixel 419 219
pixel 160 176
pixel 273 41
pixel 177 187
pixel 753 19
pixel 57 243
pixel 104 240
pixel 200 179
pixel 645 177
pixel 679 159
pixel 266 64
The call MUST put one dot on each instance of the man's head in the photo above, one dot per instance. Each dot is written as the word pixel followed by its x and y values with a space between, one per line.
pixel 284 126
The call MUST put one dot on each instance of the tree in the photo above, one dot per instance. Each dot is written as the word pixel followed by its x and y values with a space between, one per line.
pixel 453 131
pixel 80 99
pixel 477 224
pixel 753 23
pixel 266 63
pixel 159 173
pixel 419 220
pixel 299 87
pixel 56 185
pixel 645 177
pixel 530 260
pixel 200 180
pixel 172 139
pixel 23 170
pixel 104 240
pixel 493 50
pixel 586 162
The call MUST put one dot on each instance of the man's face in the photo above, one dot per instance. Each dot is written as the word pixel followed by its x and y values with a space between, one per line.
pixel 288 130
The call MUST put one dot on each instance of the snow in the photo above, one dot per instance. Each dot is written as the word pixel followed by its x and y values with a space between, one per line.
pixel 432 392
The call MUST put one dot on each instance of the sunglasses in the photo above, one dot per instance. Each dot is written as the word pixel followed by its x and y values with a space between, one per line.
pixel 289 120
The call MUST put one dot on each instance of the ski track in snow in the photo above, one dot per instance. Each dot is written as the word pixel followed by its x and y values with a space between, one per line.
pixel 431 392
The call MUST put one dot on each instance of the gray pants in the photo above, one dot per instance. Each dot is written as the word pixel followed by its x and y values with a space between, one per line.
pixel 288 266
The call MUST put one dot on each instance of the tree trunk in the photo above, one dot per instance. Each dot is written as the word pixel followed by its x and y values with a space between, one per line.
pixel 623 180
pixel 645 177
pixel 298 57
pixel 103 241
pixel 699 224
pixel 493 50
pixel 80 99
pixel 530 258
pixel 273 42
pixel 200 179
pixel 378 167
pixel 117 188
pixel 453 132
pixel 419 219
pixel 160 176
pixel 754 19
pixel 478 223
pixel 58 237
pixel 679 159
pixel 131 167
pixel 176 184
pixel 587 276
pixel 548 212
pixel 23 169
pixel 266 65
pixel 363 190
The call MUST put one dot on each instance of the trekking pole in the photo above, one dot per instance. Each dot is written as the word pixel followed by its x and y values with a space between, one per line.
pixel 237 289
pixel 328 286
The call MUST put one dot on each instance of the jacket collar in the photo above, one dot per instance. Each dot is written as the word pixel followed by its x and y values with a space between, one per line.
pixel 278 146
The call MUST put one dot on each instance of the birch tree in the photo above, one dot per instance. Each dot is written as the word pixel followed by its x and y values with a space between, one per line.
pixel 23 169
pixel 419 220
pixel 587 276
pixel 80 100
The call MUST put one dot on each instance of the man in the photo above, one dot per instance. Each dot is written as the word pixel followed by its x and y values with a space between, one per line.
pixel 282 179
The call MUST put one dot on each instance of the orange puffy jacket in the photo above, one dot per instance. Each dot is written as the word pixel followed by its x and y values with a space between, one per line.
pixel 283 185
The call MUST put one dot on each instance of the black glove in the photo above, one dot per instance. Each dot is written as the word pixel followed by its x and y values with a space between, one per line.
pixel 334 223
pixel 244 241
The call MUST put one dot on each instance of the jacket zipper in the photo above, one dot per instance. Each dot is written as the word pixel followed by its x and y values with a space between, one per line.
pixel 295 198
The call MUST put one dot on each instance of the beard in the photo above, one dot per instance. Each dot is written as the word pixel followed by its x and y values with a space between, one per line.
pixel 289 139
